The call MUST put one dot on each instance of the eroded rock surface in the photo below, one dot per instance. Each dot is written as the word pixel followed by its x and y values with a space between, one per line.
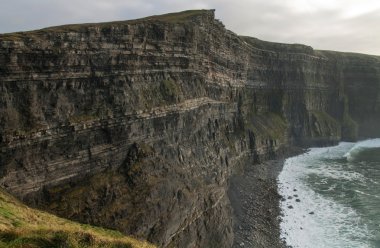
pixel 138 125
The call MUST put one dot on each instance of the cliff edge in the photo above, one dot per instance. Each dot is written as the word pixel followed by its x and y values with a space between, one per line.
pixel 138 125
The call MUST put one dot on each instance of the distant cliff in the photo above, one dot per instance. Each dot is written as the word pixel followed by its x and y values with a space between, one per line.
pixel 138 125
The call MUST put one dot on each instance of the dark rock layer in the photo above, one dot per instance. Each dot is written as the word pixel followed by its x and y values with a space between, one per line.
pixel 138 125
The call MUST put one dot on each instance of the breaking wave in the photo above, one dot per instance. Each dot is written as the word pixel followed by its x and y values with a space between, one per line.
pixel 360 147
pixel 331 197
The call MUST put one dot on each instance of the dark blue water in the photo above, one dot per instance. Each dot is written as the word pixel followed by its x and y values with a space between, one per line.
pixel 334 197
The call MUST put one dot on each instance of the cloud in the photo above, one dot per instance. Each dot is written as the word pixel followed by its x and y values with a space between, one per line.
pixel 347 25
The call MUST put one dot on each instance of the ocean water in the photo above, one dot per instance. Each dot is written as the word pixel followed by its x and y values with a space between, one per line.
pixel 332 197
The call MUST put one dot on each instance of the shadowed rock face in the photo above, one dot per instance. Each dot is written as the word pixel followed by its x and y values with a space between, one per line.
pixel 138 125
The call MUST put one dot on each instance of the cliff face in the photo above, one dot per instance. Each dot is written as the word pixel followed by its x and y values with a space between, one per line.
pixel 138 125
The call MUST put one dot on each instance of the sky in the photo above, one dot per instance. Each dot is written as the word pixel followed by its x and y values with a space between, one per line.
pixel 341 25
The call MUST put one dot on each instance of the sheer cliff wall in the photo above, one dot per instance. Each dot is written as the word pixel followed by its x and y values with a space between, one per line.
pixel 137 125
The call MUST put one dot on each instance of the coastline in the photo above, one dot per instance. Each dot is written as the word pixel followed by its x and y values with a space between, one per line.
pixel 255 201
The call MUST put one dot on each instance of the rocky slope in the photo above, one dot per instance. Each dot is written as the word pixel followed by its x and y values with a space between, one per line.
pixel 138 125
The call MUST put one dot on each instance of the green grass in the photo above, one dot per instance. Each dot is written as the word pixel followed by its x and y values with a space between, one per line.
pixel 324 124
pixel 268 124
pixel 170 91
pixel 178 17
pixel 24 227
pixel 324 117
pixel 82 118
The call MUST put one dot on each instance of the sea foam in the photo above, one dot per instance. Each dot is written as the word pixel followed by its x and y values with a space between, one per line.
pixel 314 220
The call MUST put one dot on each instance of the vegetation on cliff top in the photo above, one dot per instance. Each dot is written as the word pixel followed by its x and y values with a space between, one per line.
pixel 177 17
pixel 21 226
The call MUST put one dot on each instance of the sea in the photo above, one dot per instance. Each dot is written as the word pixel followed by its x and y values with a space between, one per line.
pixel 331 197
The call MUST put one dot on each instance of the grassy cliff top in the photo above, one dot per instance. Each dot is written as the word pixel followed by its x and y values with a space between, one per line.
pixel 276 46
pixel 304 49
pixel 21 226
pixel 178 17
pixel 170 17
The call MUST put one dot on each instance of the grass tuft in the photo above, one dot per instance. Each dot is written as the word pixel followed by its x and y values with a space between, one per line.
pixel 23 227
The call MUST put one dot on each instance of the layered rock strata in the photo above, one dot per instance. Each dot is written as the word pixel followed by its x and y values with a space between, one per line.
pixel 138 125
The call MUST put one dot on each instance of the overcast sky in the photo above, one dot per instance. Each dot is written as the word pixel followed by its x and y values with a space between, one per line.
pixel 343 25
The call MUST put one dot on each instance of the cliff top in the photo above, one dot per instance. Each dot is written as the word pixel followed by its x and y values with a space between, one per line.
pixel 278 47
pixel 303 49
pixel 177 17
pixel 21 226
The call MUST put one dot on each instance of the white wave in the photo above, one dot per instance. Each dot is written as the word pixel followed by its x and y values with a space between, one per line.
pixel 364 193
pixel 315 221
pixel 361 146
pixel 338 172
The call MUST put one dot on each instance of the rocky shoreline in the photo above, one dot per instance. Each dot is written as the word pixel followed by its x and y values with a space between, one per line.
pixel 255 200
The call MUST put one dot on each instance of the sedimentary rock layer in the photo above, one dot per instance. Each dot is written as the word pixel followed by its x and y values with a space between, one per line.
pixel 138 125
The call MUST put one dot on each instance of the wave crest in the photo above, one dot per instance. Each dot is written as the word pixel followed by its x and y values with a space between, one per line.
pixel 357 149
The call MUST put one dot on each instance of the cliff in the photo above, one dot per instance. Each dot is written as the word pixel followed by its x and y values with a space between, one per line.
pixel 138 125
